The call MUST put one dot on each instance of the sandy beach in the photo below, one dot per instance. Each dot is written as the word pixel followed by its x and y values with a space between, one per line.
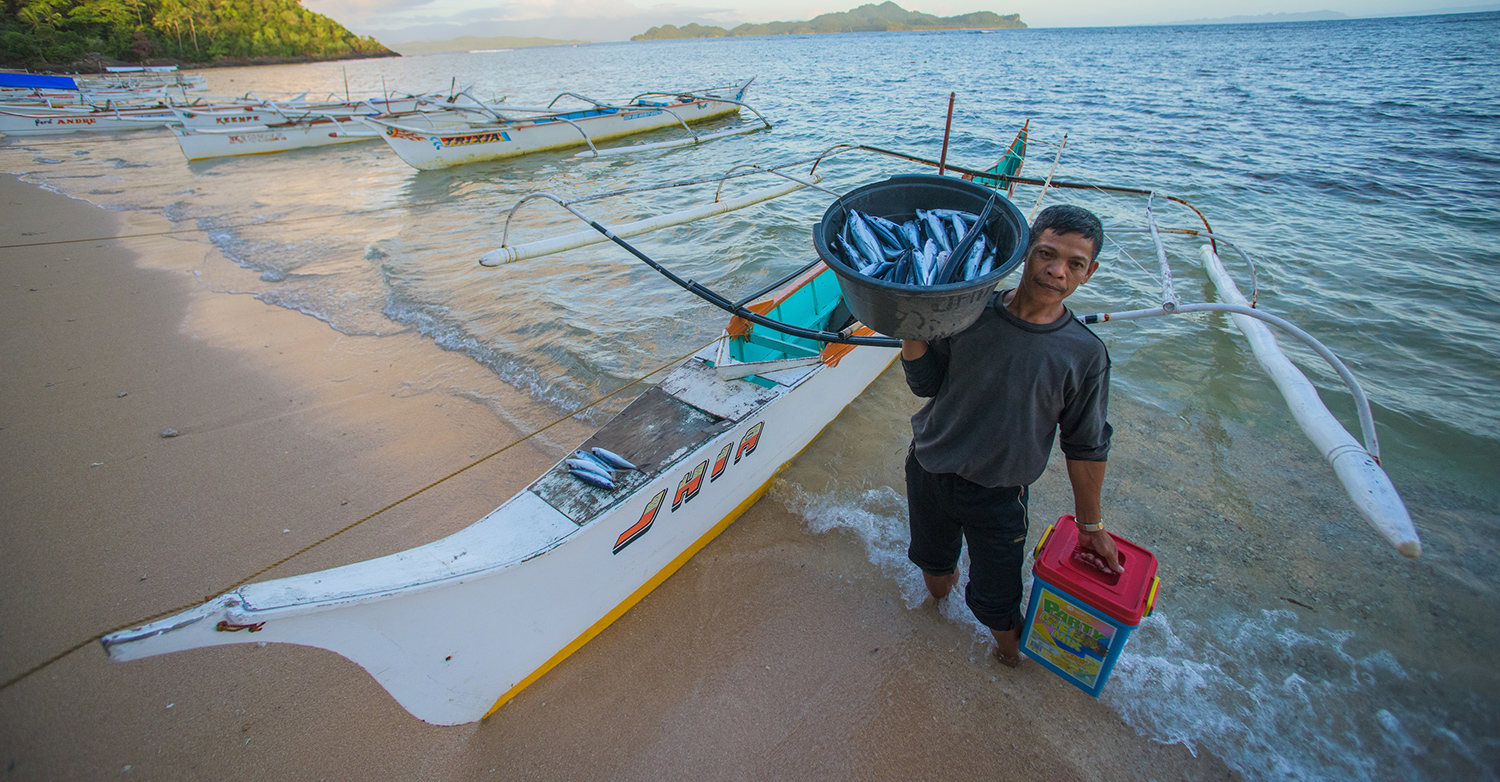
pixel 765 657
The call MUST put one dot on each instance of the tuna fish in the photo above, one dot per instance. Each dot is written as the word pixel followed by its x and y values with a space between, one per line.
pixel 594 460
pixel 935 229
pixel 888 233
pixel 581 465
pixel 864 239
pixel 613 459
pixel 593 479
pixel 936 247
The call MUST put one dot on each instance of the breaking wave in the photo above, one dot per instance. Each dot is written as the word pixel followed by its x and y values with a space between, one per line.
pixel 1270 699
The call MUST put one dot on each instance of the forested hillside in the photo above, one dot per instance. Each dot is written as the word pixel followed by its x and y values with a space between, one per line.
pixel 58 33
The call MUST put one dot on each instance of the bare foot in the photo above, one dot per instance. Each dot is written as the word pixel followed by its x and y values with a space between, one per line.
pixel 940 586
pixel 1009 661
pixel 1008 646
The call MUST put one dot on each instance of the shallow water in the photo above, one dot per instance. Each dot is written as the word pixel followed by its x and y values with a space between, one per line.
pixel 1356 161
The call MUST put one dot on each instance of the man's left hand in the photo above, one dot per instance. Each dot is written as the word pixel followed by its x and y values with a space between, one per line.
pixel 1099 551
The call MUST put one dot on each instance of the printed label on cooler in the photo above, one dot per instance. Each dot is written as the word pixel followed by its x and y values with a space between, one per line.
pixel 1070 638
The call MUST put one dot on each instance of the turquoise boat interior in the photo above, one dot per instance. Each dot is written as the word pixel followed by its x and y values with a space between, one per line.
pixel 816 303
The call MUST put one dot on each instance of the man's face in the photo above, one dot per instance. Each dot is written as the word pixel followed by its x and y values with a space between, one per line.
pixel 1058 264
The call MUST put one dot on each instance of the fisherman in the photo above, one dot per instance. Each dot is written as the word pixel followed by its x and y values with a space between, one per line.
pixel 1000 391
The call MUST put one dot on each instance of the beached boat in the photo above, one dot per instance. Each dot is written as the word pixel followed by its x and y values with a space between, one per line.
pixel 35 90
pixel 205 143
pixel 24 121
pixel 251 126
pixel 474 131
pixel 455 628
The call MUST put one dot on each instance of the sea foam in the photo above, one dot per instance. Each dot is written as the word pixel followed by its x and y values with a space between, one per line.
pixel 1269 698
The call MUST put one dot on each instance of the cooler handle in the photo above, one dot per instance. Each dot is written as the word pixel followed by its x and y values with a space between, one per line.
pixel 1037 552
pixel 1151 595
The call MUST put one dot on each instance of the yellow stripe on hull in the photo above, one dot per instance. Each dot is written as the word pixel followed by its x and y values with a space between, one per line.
pixel 636 596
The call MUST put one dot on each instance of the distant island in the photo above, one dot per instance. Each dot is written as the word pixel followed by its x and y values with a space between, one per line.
pixel 471 43
pixel 868 18
pixel 87 34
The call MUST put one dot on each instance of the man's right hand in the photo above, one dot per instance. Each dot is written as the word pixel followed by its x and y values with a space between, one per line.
pixel 1099 551
pixel 913 349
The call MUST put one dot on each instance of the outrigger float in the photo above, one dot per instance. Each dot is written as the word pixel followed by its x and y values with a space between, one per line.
pixel 474 130
pixel 557 563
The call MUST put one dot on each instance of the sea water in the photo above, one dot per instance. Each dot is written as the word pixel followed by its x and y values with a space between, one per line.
pixel 1357 162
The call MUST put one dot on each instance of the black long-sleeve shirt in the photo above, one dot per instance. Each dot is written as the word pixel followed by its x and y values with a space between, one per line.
pixel 1002 389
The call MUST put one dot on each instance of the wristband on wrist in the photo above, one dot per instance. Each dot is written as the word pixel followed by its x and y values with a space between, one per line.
pixel 1095 527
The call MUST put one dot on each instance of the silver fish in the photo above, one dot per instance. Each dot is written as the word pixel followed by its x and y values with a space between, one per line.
pixel 865 240
pixel 976 257
pixel 935 229
pixel 848 255
pixel 594 460
pixel 927 265
pixel 969 218
pixel 613 459
pixel 886 231
pixel 959 230
pixel 593 479
pixel 903 270
pixel 940 263
pixel 911 235
pixel 961 251
pixel 587 466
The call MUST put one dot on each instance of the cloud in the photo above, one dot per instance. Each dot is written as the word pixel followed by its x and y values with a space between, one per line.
pixel 346 11
pixel 593 20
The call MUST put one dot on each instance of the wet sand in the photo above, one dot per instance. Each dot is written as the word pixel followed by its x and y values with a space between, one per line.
pixel 774 653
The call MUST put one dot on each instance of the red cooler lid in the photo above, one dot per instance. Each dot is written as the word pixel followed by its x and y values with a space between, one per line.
pixel 1121 596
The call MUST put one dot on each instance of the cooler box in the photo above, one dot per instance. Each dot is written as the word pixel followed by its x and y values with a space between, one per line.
pixel 1079 617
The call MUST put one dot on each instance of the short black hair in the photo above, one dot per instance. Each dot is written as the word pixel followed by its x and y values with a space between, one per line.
pixel 1069 219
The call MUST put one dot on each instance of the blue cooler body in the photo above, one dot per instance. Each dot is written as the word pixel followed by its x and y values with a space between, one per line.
pixel 1079 617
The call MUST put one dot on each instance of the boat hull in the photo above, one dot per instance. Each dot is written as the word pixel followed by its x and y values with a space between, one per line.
pixel 15 121
pixel 456 628
pixel 200 145
pixel 436 148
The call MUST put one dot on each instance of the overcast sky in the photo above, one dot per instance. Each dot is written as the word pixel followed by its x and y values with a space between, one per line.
pixel 599 20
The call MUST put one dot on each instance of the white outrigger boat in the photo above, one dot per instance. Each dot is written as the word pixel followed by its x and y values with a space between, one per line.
pixel 46 105
pixel 46 120
pixel 557 563
pixel 205 143
pixel 258 127
pixel 475 131
pixel 28 89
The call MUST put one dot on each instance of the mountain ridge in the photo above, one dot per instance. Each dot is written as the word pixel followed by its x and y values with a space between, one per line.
pixel 867 18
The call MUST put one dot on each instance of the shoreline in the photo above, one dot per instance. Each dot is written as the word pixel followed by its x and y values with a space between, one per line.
pixel 775 651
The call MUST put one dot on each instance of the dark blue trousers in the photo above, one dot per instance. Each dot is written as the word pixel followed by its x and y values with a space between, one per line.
pixel 945 510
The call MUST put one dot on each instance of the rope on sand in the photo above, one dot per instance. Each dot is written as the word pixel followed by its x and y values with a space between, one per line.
pixel 350 213
pixel 309 547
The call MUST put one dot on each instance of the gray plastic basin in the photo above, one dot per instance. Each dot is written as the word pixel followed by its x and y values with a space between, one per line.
pixel 917 311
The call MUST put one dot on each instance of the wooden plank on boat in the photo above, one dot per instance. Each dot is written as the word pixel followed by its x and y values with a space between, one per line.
pixel 654 432
pixel 695 383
